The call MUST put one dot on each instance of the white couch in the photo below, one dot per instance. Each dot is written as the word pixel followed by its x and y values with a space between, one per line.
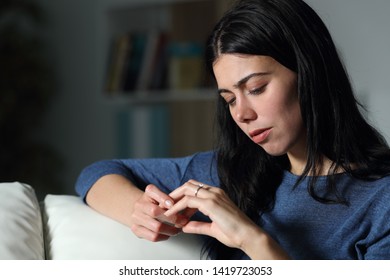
pixel 62 227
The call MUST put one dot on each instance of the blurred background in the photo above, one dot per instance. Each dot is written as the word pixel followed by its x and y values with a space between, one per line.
pixel 68 96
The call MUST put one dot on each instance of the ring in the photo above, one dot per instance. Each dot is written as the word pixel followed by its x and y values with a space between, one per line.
pixel 197 190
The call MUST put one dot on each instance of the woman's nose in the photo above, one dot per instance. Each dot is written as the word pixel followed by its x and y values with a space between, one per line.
pixel 244 112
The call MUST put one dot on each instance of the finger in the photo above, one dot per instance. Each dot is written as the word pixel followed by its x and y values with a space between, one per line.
pixel 178 220
pixel 153 211
pixel 196 227
pixel 194 182
pixel 190 188
pixel 188 213
pixel 155 225
pixel 162 198
pixel 144 233
pixel 185 203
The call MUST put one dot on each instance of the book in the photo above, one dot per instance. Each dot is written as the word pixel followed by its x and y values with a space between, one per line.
pixel 146 66
pixel 186 65
pixel 158 78
pixel 145 61
pixel 120 52
pixel 134 61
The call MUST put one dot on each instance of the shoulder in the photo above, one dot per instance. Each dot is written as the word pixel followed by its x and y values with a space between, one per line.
pixel 371 197
pixel 379 188
pixel 377 239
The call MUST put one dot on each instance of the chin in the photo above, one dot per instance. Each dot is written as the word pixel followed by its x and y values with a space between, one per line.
pixel 274 151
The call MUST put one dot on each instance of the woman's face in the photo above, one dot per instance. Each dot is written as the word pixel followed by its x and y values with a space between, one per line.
pixel 263 101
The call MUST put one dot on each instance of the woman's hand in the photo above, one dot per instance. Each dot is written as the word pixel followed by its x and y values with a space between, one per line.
pixel 148 219
pixel 118 198
pixel 228 223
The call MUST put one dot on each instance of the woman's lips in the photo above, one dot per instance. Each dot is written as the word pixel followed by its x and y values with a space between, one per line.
pixel 260 135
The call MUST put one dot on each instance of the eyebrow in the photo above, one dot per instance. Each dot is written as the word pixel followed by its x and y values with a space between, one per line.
pixel 244 80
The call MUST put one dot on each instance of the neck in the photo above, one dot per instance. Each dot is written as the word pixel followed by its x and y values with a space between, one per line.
pixel 298 164
pixel 298 157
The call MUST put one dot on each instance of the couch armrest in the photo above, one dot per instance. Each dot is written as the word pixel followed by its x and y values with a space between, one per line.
pixel 21 236
pixel 75 231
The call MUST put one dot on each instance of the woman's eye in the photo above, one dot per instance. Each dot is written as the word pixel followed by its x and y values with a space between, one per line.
pixel 257 90
pixel 231 101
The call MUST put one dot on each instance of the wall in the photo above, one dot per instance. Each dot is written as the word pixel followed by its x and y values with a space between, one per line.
pixel 80 123
pixel 360 30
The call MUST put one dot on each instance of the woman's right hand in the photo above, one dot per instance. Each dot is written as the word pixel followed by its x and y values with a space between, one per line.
pixel 116 197
pixel 148 219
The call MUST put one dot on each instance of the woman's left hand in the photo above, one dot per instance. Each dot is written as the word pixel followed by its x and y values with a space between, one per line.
pixel 228 223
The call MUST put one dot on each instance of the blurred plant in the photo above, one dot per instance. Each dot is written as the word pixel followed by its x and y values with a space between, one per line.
pixel 26 87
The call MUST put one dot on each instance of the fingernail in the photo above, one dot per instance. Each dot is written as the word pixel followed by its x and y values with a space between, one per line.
pixel 168 203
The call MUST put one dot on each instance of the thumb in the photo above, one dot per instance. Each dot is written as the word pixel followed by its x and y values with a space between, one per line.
pixel 164 200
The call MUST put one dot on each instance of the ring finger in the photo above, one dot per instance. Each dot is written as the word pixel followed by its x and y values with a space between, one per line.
pixel 191 188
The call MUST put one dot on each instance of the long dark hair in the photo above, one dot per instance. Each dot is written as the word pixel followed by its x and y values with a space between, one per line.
pixel 294 35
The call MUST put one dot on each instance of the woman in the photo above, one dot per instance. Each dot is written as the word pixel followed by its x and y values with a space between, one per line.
pixel 298 172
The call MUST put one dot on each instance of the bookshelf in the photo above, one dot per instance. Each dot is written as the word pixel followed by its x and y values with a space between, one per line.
pixel 169 85
pixel 156 47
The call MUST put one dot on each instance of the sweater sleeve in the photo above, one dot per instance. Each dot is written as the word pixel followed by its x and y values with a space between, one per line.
pixel 166 173
pixel 376 244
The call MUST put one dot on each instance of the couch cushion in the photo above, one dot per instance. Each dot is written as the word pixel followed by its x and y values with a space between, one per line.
pixel 75 231
pixel 21 224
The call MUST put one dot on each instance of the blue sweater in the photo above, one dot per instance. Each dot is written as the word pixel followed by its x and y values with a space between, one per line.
pixel 304 228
